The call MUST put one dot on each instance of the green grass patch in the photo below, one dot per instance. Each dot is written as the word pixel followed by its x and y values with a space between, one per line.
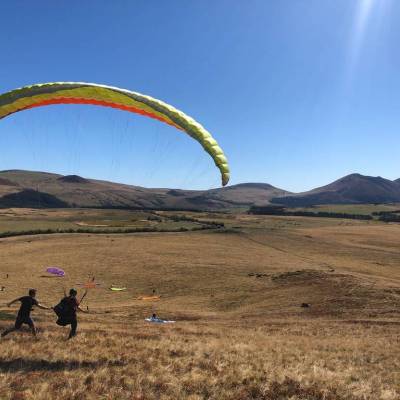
pixel 6 316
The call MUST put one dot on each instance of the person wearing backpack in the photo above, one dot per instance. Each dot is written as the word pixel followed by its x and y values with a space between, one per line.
pixel 66 311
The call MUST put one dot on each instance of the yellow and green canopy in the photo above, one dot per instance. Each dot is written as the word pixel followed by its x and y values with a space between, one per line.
pixel 89 93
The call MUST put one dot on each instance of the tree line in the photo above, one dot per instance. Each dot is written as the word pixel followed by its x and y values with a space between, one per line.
pixel 280 210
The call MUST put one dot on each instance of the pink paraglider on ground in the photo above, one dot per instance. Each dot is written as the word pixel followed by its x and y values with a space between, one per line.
pixel 55 271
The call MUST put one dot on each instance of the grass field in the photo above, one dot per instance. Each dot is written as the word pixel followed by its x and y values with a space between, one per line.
pixel 16 221
pixel 236 294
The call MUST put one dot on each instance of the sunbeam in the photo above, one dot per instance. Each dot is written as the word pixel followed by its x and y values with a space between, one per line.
pixel 368 14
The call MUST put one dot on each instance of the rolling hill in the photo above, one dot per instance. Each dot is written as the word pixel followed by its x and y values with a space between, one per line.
pixel 351 189
pixel 20 188
pixel 41 189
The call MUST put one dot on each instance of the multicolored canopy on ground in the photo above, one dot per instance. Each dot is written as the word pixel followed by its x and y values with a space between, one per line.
pixel 89 93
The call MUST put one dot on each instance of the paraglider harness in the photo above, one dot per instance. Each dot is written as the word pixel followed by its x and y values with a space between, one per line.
pixel 65 311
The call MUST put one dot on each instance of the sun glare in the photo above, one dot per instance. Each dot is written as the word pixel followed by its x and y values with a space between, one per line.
pixel 368 14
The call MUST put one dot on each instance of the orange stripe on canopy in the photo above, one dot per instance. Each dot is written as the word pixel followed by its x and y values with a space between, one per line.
pixel 68 100
pixel 90 93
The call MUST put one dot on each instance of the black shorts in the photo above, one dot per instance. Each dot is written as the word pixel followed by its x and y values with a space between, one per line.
pixel 23 320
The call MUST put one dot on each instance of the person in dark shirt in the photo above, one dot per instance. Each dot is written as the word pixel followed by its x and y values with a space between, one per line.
pixel 69 306
pixel 24 313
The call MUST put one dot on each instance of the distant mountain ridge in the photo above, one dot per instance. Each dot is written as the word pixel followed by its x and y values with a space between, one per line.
pixel 20 188
pixel 72 179
pixel 56 190
pixel 351 189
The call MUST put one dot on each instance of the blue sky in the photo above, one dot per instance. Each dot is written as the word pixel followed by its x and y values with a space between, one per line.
pixel 297 92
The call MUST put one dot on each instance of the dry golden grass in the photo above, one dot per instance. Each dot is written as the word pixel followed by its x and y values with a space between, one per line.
pixel 239 360
pixel 237 336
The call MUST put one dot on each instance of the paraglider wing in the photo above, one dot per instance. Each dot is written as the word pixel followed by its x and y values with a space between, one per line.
pixel 159 320
pixel 117 289
pixel 55 271
pixel 90 93
pixel 146 298
pixel 89 285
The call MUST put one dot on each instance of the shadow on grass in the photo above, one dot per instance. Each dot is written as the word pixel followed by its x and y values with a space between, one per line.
pixel 29 365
